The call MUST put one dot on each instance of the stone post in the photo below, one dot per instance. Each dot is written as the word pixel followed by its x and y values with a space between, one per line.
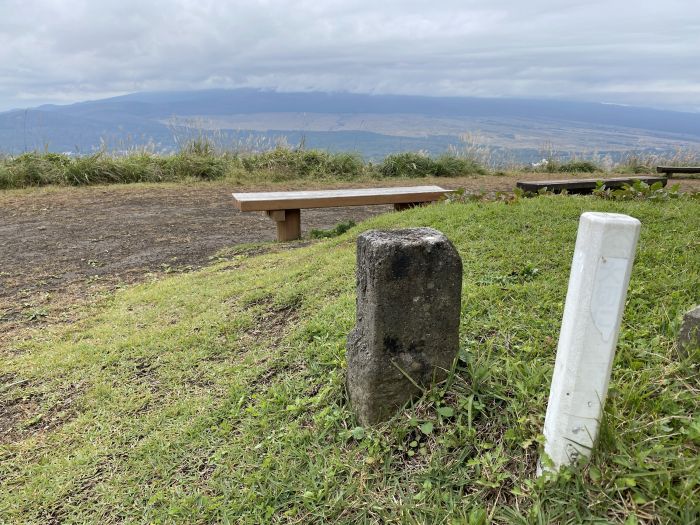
pixel 409 285
pixel 689 336
pixel 600 273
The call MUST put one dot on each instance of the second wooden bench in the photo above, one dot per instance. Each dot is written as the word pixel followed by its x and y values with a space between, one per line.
pixel 584 185
pixel 670 170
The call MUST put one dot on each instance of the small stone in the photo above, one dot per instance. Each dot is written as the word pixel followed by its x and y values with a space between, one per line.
pixel 689 335
pixel 409 285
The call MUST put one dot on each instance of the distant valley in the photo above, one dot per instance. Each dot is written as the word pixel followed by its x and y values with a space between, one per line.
pixel 509 130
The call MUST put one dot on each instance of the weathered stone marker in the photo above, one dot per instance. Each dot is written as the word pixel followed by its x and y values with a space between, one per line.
pixel 409 285
pixel 600 273
pixel 689 336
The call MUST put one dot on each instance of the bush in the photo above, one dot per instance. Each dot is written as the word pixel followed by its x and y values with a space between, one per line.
pixel 285 164
pixel 420 165
pixel 572 166
pixel 101 168
pixel 578 166
pixel 345 166
pixel 407 165
pixel 33 169
pixel 451 166
pixel 204 167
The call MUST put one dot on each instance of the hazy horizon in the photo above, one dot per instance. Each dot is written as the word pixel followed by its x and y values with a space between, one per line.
pixel 346 92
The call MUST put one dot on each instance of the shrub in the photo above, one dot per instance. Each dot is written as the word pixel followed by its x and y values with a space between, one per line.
pixel 451 166
pixel 578 166
pixel 407 164
pixel 420 165
pixel 553 165
pixel 143 167
pixel 205 167
pixel 284 163
pixel 345 166
pixel 33 169
pixel 101 168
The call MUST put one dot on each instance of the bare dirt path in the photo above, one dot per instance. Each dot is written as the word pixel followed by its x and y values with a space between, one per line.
pixel 62 247
pixel 59 247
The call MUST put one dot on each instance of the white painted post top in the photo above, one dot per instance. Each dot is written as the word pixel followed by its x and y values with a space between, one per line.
pixel 610 220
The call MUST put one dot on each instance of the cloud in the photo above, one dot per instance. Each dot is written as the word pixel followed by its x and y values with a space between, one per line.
pixel 614 51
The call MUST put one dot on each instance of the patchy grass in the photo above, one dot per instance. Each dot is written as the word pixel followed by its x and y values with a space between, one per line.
pixel 217 396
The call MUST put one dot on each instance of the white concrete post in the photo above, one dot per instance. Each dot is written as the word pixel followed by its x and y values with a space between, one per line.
pixel 600 274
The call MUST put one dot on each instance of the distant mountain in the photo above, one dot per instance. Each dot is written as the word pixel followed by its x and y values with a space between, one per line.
pixel 373 125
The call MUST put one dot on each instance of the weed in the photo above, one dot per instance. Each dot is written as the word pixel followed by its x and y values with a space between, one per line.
pixel 640 191
pixel 451 166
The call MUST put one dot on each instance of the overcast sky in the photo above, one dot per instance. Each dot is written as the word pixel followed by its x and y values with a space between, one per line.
pixel 644 52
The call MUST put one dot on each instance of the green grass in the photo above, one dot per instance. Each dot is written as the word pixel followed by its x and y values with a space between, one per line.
pixel 203 158
pixel 419 165
pixel 199 160
pixel 576 166
pixel 217 396
pixel 42 169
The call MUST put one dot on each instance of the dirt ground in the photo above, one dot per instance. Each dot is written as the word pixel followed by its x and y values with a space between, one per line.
pixel 63 247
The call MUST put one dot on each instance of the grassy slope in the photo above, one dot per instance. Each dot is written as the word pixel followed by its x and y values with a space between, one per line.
pixel 218 395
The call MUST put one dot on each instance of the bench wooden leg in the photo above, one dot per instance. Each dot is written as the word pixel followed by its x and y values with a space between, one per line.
pixel 288 224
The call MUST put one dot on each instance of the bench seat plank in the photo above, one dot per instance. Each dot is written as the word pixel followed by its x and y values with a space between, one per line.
pixel 584 185
pixel 284 200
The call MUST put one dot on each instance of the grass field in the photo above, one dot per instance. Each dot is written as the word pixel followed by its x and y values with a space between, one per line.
pixel 217 396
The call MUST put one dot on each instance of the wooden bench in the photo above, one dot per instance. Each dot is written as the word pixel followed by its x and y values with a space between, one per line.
pixel 584 185
pixel 670 170
pixel 284 207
